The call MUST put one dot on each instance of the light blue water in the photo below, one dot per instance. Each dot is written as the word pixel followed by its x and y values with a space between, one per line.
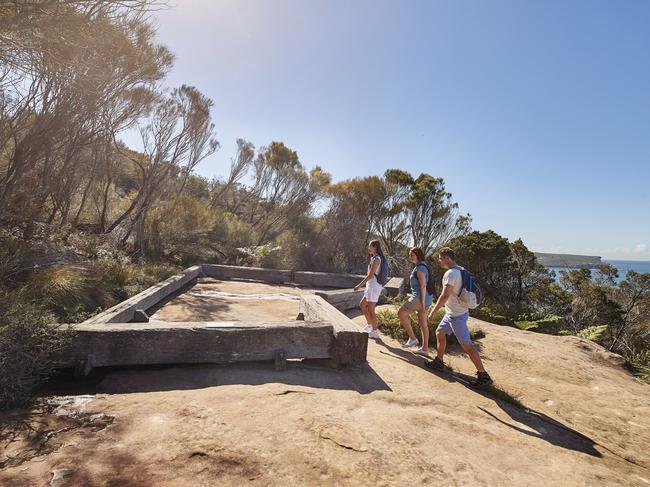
pixel 640 266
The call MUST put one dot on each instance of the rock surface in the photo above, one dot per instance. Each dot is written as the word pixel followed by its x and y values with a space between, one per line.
pixel 390 422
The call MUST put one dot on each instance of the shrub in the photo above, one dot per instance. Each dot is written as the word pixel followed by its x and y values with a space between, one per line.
pixel 550 325
pixel 639 364
pixel 30 347
pixel 493 315
pixel 593 333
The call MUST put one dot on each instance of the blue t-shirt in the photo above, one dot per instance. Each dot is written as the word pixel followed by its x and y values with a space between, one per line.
pixel 415 284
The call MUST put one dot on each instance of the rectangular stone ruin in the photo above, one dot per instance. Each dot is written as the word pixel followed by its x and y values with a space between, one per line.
pixel 124 335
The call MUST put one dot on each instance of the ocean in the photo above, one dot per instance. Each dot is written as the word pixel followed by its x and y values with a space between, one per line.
pixel 640 266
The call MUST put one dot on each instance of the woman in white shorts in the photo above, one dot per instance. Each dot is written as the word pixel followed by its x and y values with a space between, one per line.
pixel 373 288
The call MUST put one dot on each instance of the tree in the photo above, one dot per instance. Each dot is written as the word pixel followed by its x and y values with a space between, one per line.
pixel 632 332
pixel 239 166
pixel 355 206
pixel 177 136
pixel 89 72
pixel 591 304
pixel 282 190
pixel 391 223
pixel 531 280
pixel 432 217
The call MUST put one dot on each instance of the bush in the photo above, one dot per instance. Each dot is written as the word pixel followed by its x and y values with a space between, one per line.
pixel 493 315
pixel 30 347
pixel 550 325
pixel 639 364
pixel 593 333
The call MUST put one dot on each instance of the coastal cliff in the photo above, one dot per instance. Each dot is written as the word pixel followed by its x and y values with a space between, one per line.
pixel 568 260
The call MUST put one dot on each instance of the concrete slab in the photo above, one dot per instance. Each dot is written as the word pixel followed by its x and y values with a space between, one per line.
pixel 218 300
pixel 393 286
pixel 326 279
pixel 252 273
pixel 342 299
pixel 120 344
pixel 350 341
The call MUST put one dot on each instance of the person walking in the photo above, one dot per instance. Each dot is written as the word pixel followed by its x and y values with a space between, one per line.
pixel 373 288
pixel 419 301
pixel 455 319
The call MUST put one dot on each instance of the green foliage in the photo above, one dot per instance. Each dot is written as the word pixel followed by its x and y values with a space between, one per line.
pixel 30 347
pixel 639 363
pixel 493 314
pixel 550 325
pixel 593 333
pixel 509 274
pixel 178 231
pixel 267 256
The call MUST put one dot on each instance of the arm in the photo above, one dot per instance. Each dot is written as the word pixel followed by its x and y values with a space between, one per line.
pixel 371 272
pixel 422 280
pixel 442 299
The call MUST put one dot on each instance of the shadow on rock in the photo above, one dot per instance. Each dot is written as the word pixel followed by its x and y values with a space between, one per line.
pixel 362 379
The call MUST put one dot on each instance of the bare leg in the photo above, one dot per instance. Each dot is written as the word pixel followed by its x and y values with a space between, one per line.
pixel 372 317
pixel 364 307
pixel 441 336
pixel 424 329
pixel 406 323
pixel 474 357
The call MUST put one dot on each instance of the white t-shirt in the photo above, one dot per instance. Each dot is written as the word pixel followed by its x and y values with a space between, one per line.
pixel 373 282
pixel 454 306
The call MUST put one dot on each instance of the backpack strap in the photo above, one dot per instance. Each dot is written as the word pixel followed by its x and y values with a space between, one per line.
pixel 425 266
pixel 462 278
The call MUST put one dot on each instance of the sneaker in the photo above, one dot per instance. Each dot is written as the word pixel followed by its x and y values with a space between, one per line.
pixel 374 334
pixel 483 379
pixel 435 364
pixel 423 352
pixel 368 328
pixel 411 342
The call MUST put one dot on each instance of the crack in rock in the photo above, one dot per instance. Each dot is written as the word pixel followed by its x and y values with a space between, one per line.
pixel 348 444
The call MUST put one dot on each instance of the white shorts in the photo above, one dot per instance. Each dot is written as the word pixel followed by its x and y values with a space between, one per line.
pixel 372 293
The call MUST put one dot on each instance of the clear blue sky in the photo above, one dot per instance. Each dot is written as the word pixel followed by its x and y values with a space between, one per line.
pixel 536 114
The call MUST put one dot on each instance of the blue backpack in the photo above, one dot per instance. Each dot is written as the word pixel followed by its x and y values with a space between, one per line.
pixel 470 293
pixel 382 278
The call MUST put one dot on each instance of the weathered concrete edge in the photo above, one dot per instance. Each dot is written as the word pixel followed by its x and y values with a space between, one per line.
pixel 127 344
pixel 219 271
pixel 305 278
pixel 325 279
pixel 342 299
pixel 124 311
pixel 350 341
pixel 393 286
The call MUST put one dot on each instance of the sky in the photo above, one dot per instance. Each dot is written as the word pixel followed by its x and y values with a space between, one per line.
pixel 536 114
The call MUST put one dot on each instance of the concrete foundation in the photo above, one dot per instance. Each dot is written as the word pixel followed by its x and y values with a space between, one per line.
pixel 121 336
pixel 350 341
pixel 117 344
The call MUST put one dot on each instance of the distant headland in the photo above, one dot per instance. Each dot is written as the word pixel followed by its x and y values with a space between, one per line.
pixel 568 260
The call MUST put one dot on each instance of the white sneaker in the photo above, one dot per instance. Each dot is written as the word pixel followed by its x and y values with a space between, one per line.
pixel 374 334
pixel 411 342
pixel 368 328
pixel 422 352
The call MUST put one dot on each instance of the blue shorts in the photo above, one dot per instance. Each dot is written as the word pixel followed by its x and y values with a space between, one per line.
pixel 457 325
